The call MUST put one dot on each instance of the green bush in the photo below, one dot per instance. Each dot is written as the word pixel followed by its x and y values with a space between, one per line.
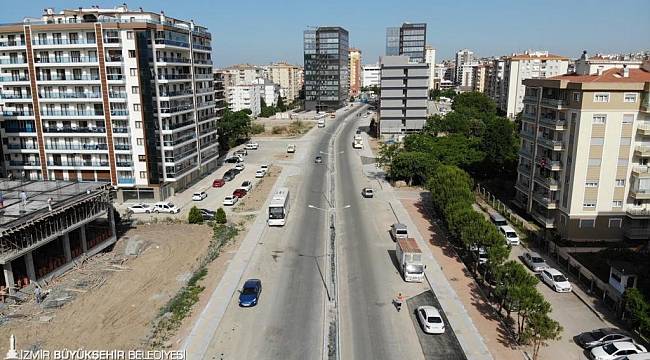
pixel 278 129
pixel 257 128
pixel 195 217
pixel 220 217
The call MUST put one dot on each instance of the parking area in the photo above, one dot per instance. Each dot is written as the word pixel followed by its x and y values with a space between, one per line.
pixel 435 347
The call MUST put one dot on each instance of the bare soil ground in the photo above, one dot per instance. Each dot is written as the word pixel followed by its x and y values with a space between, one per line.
pixel 284 127
pixel 255 199
pixel 118 309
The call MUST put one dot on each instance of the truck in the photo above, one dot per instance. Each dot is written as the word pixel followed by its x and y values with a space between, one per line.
pixel 357 143
pixel 409 257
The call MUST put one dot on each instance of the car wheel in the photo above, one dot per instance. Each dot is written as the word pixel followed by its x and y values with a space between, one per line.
pixel 147 211
pixel 156 211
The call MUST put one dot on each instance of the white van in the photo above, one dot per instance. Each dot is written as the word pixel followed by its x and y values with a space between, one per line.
pixel 510 234
pixel 321 123
pixel 399 231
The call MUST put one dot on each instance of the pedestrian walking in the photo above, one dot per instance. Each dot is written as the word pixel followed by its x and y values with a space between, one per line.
pixel 398 301
pixel 37 294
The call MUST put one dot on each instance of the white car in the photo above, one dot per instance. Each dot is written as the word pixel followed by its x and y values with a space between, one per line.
pixel 615 350
pixel 556 280
pixel 252 146
pixel 230 200
pixel 430 320
pixel 198 196
pixel 535 262
pixel 239 167
pixel 264 167
pixel 291 148
pixel 260 173
pixel 246 185
pixel 510 234
pixel 141 208
pixel 166 207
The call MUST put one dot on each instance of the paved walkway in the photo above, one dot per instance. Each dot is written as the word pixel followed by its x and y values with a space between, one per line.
pixel 454 270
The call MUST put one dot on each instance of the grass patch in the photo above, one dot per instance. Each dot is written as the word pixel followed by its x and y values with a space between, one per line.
pixel 172 314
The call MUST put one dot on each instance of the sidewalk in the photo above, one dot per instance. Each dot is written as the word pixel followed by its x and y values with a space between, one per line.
pixel 488 324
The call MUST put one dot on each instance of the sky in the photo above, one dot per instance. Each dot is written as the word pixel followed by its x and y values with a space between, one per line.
pixel 260 32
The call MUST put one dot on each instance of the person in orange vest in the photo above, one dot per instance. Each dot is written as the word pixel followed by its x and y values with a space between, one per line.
pixel 398 301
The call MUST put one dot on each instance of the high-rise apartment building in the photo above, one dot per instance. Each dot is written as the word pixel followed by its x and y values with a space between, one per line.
pixel 408 39
pixel 510 89
pixel 430 59
pixel 269 91
pixel 327 74
pixel 479 77
pixel 371 75
pixel 108 94
pixel 463 57
pixel 242 97
pixel 584 162
pixel 403 96
pixel 355 71
pixel 289 77
pixel 241 74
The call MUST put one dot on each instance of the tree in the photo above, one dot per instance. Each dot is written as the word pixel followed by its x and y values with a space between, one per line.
pixel 234 127
pixel 195 217
pixel 508 277
pixel 474 102
pixel 540 329
pixel 458 150
pixel 220 216
pixel 639 309
pixel 280 105
pixel 450 184
pixel 499 142
pixel 387 153
pixel 412 166
pixel 247 111
pixel 262 103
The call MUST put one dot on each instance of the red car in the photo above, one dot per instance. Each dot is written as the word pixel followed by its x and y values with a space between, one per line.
pixel 217 183
pixel 240 193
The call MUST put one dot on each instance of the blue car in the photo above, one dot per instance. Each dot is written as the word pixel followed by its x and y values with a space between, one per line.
pixel 250 293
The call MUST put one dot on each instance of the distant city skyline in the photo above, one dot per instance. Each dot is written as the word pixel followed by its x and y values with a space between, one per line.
pixel 259 32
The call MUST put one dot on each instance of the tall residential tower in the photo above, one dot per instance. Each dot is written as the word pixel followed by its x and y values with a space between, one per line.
pixel 408 39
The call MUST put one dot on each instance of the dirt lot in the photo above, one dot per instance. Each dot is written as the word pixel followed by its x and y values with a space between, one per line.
pixel 115 297
pixel 284 127
pixel 256 198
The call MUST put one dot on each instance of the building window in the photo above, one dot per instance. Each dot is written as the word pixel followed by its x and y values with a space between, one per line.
pixel 628 118
pixel 594 162
pixel 136 107
pixel 587 223
pixel 143 174
pixel 133 71
pixel 615 223
pixel 620 182
pixel 622 162
pixel 139 141
pixel 135 90
pixel 574 116
pixel 601 97
pixel 129 35
pixel 591 183
pixel 142 158
pixel 597 141
pixel 617 204
pixel 576 96
pixel 626 141
pixel 629 97
pixel 138 124
pixel 589 204
pixel 599 118
pixel 132 54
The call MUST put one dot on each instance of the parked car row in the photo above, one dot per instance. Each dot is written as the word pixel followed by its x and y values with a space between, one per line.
pixel 611 344
pixel 159 207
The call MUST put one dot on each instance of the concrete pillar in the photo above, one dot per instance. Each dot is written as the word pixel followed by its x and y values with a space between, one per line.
pixel 84 244
pixel 66 247
pixel 29 264
pixel 111 220
pixel 9 277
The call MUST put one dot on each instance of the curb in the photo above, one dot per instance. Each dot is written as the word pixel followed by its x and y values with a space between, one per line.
pixel 589 306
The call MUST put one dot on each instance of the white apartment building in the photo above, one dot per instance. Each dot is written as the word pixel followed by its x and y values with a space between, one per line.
pixel 531 64
pixel 594 64
pixel 269 91
pixel 241 74
pixel 430 59
pixel 289 77
pixel 465 81
pixel 584 162
pixel 494 85
pixel 370 75
pixel 463 57
pixel 111 95
pixel 240 97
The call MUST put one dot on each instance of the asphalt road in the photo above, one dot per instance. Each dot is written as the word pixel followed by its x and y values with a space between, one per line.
pixel 288 323
pixel 371 328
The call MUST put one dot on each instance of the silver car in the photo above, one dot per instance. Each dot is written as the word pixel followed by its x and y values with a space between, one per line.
pixel 535 262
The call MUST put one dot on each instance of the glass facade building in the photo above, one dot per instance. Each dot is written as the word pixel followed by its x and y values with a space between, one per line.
pixel 326 68
pixel 408 40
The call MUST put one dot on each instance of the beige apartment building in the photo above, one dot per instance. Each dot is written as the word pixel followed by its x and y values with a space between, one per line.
pixel 355 71
pixel 289 77
pixel 584 162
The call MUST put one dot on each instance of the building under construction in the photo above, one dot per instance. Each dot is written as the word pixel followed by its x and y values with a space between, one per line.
pixel 45 225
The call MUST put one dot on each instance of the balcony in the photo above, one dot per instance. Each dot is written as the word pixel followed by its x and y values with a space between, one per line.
pixel 14 130
pixel 178 125
pixel 25 146
pixel 123 163
pixel 117 95
pixel 203 62
pixel 122 147
pixel 111 40
pixel 523 186
pixel 553 123
pixel 12 43
pixel 173 76
pixel 76 147
pixel 175 109
pixel 66 113
pixel 527 134
pixel 638 211
pixel 9 96
pixel 545 200
pixel 126 180
pixel 73 95
pixel 87 41
pixel 177 60
pixel 66 59
pixel 524 169
pixel 11 113
pixel 114 58
pixel 202 47
pixel 641 171
pixel 644 128
pixel 172 43
pixel 543 219
pixel 120 130
pixel 205 104
pixel 78 163
pixel 14 78
pixel 548 182
pixel 525 153
pixel 175 93
pixel 554 103
pixel 69 78
pixel 553 165
pixel 640 194
pixel 204 76
pixel 24 163
pixel 13 61
pixel 642 150
pixel 119 112
pixel 114 77
pixel 555 145
pixel 70 129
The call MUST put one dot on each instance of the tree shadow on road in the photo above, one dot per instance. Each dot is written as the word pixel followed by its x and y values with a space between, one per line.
pixel 438 238
pixel 489 312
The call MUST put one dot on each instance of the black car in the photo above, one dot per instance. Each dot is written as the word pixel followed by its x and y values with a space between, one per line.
pixel 234 160
pixel 207 214
pixel 230 174
pixel 601 337
pixel 318 160
pixel 250 293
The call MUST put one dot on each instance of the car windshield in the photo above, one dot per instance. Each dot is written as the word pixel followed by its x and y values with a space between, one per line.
pixel 249 291
pixel 401 232
pixel 511 234
pixel 414 269
pixel 537 260
pixel 610 349
pixel 434 320
pixel 559 278
pixel 276 213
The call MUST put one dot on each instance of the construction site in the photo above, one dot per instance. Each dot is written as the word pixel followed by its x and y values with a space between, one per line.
pixel 46 226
